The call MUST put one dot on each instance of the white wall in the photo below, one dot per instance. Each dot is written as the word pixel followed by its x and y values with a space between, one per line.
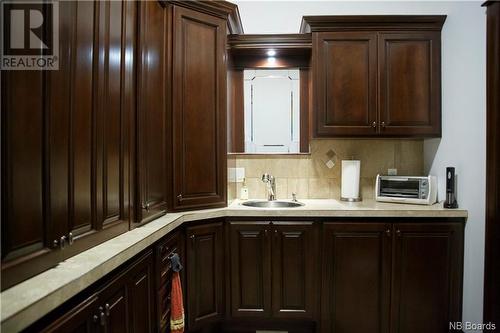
pixel 463 144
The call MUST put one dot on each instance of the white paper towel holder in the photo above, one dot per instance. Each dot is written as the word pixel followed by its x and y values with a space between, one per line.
pixel 351 199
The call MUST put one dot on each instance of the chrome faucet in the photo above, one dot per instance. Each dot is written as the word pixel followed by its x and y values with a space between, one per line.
pixel 270 186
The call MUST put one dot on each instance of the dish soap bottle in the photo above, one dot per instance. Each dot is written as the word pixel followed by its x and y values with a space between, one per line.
pixel 244 190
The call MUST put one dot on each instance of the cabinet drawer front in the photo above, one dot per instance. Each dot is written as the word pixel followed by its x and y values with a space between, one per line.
pixel 346 78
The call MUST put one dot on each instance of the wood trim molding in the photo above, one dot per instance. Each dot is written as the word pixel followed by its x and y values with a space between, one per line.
pixel 223 9
pixel 371 22
pixel 250 51
pixel 492 249
pixel 275 41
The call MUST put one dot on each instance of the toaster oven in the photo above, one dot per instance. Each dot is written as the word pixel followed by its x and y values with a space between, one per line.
pixel 420 190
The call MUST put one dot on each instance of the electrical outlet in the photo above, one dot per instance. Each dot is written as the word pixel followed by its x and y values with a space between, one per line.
pixel 392 172
pixel 231 175
pixel 240 175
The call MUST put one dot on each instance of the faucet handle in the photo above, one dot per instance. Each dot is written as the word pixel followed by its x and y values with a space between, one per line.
pixel 294 196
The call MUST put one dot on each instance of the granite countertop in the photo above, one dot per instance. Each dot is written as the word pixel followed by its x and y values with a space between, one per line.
pixel 30 300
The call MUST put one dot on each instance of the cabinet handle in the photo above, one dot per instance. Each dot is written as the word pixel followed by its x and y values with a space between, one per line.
pixel 102 316
pixel 398 233
pixel 103 319
pixel 265 232
pixel 70 238
pixel 192 239
pixel 179 197
pixel 62 243
pixel 146 206
pixel 55 243
pixel 382 124
pixel 95 318
pixel 388 232
pixel 107 307
pixel 374 124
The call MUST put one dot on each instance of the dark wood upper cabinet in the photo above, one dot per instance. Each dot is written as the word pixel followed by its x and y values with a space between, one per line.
pixel 250 263
pixel 410 83
pixel 427 277
pixel 66 152
pixel 345 83
pixel 376 75
pixel 205 274
pixel 199 110
pixel 356 277
pixel 153 111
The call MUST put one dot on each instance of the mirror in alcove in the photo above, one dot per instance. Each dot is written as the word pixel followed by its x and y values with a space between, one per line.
pixel 269 93
pixel 272 111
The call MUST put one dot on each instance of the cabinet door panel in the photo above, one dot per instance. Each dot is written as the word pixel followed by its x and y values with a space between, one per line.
pixel 356 277
pixel 142 305
pixel 205 271
pixel 250 269
pixel 410 89
pixel 427 277
pixel 78 320
pixel 294 270
pixel 346 78
pixel 152 118
pixel 199 104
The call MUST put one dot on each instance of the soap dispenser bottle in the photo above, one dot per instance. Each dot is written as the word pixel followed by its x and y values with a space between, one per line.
pixel 244 190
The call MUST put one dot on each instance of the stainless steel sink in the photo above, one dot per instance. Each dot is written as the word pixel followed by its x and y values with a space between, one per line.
pixel 272 204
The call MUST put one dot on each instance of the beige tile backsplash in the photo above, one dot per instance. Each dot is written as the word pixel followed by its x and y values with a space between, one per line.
pixel 310 178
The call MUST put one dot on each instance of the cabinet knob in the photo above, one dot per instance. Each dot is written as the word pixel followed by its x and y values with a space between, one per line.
pixel 382 124
pixel 179 197
pixel 374 124
pixel 146 206
pixel 70 238
pixel 398 232
pixel 107 307
pixel 62 242
pixel 102 316
pixel 388 232
pixel 55 243
pixel 95 318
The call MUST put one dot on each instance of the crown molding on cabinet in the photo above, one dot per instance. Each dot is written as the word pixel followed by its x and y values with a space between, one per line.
pixel 223 9
pixel 371 22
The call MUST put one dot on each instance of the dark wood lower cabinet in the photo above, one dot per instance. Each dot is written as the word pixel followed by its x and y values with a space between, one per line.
pixel 427 277
pixel 250 269
pixel 380 276
pixel 398 278
pixel 295 270
pixel 124 304
pixel 173 244
pixel 205 275
pixel 274 269
pixel 356 277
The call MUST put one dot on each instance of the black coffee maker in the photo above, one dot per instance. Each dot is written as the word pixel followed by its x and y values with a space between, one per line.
pixel 451 198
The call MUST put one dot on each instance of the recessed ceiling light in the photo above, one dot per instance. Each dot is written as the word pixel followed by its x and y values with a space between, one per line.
pixel 271 53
